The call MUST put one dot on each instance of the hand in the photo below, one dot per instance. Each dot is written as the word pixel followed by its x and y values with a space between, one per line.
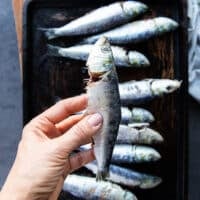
pixel 43 159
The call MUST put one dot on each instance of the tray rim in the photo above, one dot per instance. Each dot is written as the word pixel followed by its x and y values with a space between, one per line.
pixel 182 147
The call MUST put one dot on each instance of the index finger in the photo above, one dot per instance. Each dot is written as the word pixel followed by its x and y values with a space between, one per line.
pixel 64 108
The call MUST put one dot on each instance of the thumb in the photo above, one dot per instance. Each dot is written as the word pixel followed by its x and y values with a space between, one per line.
pixel 80 133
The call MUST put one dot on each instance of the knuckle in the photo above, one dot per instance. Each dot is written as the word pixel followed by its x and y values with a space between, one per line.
pixel 64 105
pixel 79 159
pixel 80 130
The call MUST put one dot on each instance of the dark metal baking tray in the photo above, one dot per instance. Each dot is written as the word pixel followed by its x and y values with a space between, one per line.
pixel 46 78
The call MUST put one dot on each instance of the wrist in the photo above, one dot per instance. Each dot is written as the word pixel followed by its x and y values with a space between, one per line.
pixel 14 194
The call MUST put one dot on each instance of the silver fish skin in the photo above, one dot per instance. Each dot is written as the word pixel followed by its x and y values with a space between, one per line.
pixel 127 177
pixel 139 125
pixel 88 188
pixel 122 57
pixel 128 135
pixel 137 31
pixel 103 97
pixel 136 92
pixel 100 19
pixel 134 154
pixel 136 115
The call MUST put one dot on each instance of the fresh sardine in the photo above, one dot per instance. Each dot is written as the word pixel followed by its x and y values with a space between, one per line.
pixel 136 115
pixel 128 154
pixel 127 177
pixel 99 20
pixel 103 97
pixel 122 57
pixel 128 135
pixel 136 92
pixel 88 188
pixel 134 154
pixel 136 31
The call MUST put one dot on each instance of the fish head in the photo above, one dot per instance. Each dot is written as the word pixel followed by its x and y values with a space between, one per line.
pixel 149 136
pixel 142 115
pixel 164 86
pixel 138 59
pixel 150 182
pixel 146 154
pixel 165 24
pixel 132 8
pixel 100 60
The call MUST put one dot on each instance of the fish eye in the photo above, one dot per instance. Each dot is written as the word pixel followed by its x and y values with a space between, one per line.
pixel 169 88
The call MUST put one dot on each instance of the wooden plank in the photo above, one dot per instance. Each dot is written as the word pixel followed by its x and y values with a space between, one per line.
pixel 18 13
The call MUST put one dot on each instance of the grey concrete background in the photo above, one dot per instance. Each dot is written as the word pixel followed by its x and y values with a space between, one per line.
pixel 11 106
pixel 10 90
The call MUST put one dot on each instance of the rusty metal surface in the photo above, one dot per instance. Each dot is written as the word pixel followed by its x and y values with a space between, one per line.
pixel 46 78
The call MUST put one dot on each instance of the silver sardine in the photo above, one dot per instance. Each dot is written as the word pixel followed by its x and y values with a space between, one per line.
pixel 136 31
pixel 134 154
pixel 136 115
pixel 103 97
pixel 127 177
pixel 88 188
pixel 128 135
pixel 122 57
pixel 136 92
pixel 99 20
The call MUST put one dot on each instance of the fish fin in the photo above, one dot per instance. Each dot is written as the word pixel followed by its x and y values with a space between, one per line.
pixel 49 32
pixel 52 50
pixel 101 175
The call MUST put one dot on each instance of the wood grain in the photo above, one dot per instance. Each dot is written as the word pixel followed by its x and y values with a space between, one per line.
pixel 18 13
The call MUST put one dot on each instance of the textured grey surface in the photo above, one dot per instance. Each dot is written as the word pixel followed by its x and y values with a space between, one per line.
pixel 10 90
pixel 11 106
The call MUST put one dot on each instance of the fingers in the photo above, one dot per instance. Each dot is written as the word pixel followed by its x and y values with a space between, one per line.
pixel 80 159
pixel 66 124
pixel 80 133
pixel 64 108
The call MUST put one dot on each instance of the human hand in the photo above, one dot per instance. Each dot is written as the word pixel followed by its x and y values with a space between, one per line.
pixel 43 159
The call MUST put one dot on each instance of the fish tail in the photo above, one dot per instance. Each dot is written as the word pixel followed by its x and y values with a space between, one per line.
pixel 101 175
pixel 52 50
pixel 50 33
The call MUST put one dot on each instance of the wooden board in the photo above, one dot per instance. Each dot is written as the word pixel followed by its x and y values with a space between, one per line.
pixel 18 12
pixel 47 78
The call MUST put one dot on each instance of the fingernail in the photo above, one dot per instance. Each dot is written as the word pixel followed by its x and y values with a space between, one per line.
pixel 95 119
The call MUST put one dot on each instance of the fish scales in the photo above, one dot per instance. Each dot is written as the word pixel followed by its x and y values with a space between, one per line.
pixel 122 57
pixel 128 135
pixel 124 153
pixel 137 31
pixel 87 188
pixel 136 115
pixel 99 20
pixel 103 97
pixel 127 177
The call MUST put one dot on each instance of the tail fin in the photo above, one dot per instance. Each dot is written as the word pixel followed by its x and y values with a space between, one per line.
pixel 49 32
pixel 53 50
pixel 101 175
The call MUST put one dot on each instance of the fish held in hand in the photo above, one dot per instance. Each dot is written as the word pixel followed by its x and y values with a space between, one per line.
pixel 88 188
pixel 137 31
pixel 127 177
pixel 99 20
pixel 136 92
pixel 122 57
pixel 103 97
pixel 128 135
